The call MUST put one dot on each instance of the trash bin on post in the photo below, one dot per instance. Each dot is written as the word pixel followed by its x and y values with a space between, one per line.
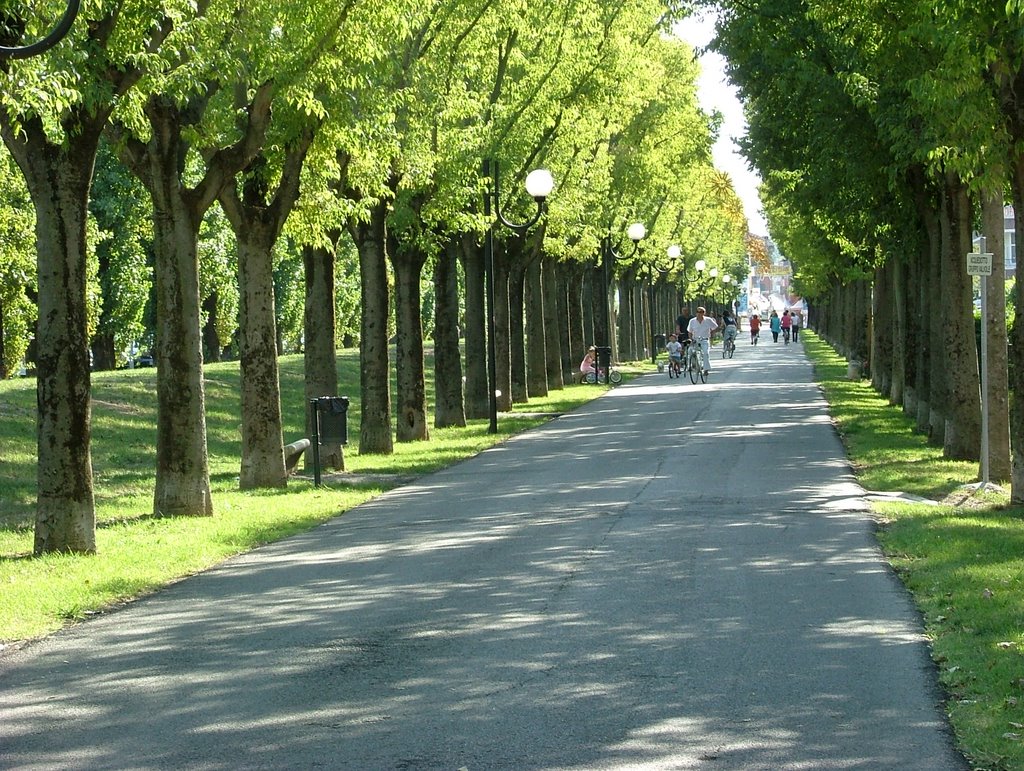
pixel 604 362
pixel 330 426
pixel 657 347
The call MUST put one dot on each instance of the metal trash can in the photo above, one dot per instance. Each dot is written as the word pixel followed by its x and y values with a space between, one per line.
pixel 604 361
pixel 330 426
pixel 332 419
pixel 658 347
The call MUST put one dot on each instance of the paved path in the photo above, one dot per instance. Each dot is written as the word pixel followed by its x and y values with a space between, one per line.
pixel 672 577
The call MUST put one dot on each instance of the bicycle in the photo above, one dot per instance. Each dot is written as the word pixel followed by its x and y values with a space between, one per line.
pixel 785 335
pixel 614 377
pixel 694 365
pixel 675 368
pixel 728 348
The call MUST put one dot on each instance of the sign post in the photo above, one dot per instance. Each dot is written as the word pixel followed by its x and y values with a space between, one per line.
pixel 980 264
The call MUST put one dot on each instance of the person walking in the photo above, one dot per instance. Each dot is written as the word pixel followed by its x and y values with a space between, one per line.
pixel 775 325
pixel 700 329
pixel 797 317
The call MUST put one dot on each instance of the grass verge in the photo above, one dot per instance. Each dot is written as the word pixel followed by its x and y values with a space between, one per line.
pixel 962 559
pixel 138 553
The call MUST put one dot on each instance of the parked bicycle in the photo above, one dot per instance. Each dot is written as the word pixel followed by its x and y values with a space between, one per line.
pixel 600 376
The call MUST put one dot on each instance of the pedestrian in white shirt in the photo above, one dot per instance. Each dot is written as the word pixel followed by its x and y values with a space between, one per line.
pixel 700 329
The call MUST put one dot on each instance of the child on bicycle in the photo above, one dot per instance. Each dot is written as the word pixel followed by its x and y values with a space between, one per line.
pixel 589 363
pixel 675 352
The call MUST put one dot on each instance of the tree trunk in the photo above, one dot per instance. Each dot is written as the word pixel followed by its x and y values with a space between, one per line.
pixel 477 401
pixel 262 463
pixel 997 361
pixel 899 304
pixel 449 409
pixel 182 471
pixel 935 376
pixel 552 328
pixel 962 439
pixel 882 329
pixel 536 357
pixel 58 179
pixel 577 324
pixel 257 219
pixel 411 409
pixel 375 380
pixel 319 354
pixel 562 272
pixel 505 253
pixel 211 338
pixel 517 332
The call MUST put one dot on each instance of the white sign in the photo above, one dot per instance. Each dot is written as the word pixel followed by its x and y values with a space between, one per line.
pixel 979 263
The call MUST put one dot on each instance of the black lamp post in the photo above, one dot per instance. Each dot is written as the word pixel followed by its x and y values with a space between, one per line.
pixel 538 184
pixel 53 35
pixel 636 233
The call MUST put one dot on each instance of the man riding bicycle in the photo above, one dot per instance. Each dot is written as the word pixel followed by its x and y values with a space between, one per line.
pixel 700 329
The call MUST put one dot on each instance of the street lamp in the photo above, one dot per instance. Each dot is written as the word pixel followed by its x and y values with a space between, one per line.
pixel 53 31
pixel 539 184
pixel 636 233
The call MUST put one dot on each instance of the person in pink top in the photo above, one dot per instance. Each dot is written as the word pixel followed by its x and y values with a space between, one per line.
pixel 787 325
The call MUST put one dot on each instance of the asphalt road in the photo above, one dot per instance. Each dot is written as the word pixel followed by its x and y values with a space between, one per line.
pixel 672 577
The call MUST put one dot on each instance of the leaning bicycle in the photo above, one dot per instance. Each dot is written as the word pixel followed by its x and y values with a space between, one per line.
pixel 600 376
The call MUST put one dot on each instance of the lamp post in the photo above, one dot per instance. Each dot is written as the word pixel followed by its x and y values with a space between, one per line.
pixel 53 31
pixel 636 233
pixel 539 184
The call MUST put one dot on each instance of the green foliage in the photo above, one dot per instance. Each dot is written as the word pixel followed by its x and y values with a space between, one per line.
pixel 17 264
pixel 123 215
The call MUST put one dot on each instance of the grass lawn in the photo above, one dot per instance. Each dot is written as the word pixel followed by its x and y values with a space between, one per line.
pixel 963 561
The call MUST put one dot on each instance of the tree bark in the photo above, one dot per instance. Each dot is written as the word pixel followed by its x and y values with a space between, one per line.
pixel 962 439
pixel 407 260
pixel 182 469
pixel 257 218
pixel 562 310
pixel 319 351
pixel 577 324
pixel 552 328
pixel 536 356
pixel 375 418
pixel 58 178
pixel 517 332
pixel 449 408
pixel 477 401
pixel 505 253
pixel 997 355
pixel 900 303
pixel 211 338
pixel 882 329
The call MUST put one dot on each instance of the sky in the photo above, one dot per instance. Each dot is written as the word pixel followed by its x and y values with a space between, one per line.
pixel 716 93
